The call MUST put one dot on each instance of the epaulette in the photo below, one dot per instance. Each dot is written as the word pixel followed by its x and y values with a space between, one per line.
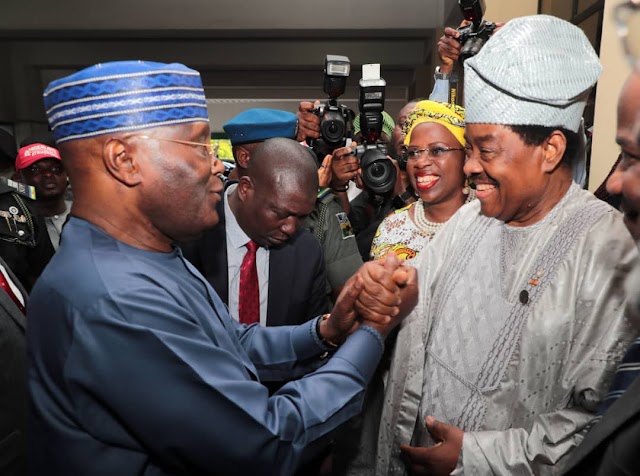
pixel 323 192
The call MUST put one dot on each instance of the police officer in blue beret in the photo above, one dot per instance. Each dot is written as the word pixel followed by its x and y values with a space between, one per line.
pixel 251 127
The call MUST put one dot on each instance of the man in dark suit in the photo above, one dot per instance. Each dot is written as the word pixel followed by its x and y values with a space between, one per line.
pixel 13 385
pixel 612 446
pixel 267 206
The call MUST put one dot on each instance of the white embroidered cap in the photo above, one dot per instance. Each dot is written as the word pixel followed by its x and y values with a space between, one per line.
pixel 536 70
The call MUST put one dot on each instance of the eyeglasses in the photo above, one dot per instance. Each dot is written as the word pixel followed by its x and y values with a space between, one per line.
pixel 208 149
pixel 413 153
pixel 627 16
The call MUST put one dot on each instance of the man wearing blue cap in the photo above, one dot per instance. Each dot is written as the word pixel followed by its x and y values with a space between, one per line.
pixel 135 366
pixel 251 127
pixel 264 228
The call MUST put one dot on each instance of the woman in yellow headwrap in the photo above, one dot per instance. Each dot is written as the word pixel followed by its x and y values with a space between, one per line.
pixel 434 151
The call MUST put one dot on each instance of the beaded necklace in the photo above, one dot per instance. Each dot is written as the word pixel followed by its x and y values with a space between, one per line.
pixel 427 227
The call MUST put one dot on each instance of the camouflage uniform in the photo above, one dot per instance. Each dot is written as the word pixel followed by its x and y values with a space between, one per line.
pixel 330 225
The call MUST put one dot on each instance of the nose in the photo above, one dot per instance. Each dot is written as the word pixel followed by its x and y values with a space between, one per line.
pixel 471 166
pixel 614 182
pixel 422 161
pixel 216 166
pixel 289 226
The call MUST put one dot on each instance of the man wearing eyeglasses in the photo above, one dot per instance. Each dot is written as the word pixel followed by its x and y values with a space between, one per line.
pixel 135 366
pixel 520 325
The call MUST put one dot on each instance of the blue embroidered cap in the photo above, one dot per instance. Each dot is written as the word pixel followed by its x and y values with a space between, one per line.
pixel 256 125
pixel 123 96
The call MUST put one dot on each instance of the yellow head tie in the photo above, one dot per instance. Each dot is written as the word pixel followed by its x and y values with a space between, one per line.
pixel 449 115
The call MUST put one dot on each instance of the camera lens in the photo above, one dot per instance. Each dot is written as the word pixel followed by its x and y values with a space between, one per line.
pixel 378 172
pixel 471 48
pixel 332 128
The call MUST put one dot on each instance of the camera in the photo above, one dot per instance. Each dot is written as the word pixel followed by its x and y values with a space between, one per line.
pixel 336 120
pixel 378 172
pixel 474 35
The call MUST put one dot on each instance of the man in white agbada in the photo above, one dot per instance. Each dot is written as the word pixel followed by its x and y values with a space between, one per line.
pixel 519 324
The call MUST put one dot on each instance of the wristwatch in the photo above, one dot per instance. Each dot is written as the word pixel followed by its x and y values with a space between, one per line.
pixel 438 75
pixel 324 341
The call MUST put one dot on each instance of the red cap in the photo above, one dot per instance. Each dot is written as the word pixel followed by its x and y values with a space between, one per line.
pixel 33 152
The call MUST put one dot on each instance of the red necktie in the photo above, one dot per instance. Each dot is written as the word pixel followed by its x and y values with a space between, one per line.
pixel 249 299
pixel 5 285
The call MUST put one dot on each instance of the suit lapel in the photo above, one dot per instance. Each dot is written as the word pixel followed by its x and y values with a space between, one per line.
pixel 7 302
pixel 619 413
pixel 281 273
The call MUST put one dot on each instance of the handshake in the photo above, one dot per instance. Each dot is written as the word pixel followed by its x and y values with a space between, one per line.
pixel 380 295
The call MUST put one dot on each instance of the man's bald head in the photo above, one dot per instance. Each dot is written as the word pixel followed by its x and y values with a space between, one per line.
pixel 277 193
pixel 283 163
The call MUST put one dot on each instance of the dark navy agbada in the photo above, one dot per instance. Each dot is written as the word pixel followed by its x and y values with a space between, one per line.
pixel 136 368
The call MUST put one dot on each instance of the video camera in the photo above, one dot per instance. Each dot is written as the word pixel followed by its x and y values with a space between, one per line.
pixel 378 172
pixel 336 120
pixel 474 35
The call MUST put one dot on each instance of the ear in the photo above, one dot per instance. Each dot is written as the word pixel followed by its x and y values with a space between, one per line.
pixel 121 163
pixel 242 157
pixel 245 188
pixel 553 150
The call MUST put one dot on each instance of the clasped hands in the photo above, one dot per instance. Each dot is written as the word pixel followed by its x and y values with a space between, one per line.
pixel 380 294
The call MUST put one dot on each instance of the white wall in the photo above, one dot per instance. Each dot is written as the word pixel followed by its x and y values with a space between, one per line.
pixel 604 149
pixel 503 10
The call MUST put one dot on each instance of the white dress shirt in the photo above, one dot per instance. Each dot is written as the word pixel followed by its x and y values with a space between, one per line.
pixel 236 249
pixel 14 288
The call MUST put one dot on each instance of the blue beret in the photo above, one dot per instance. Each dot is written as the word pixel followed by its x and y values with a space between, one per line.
pixel 256 125
pixel 123 96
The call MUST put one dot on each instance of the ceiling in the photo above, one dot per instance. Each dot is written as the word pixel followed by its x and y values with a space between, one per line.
pixel 258 53
pixel 249 16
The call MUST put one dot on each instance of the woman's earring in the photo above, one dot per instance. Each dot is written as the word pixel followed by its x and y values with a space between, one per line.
pixel 465 189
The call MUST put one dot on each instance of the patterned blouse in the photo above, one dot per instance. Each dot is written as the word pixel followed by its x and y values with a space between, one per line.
pixel 400 234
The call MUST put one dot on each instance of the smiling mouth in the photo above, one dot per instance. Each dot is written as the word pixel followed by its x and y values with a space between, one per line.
pixel 483 187
pixel 426 178
pixel 426 181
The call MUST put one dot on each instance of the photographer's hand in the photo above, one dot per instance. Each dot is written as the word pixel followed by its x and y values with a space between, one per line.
pixel 344 166
pixel 308 122
pixel 449 49
pixel 324 172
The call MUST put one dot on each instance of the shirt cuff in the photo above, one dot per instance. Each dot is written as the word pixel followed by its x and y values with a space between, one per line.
pixel 363 349
pixel 440 91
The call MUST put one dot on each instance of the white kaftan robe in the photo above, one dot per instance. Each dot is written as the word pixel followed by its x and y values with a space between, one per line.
pixel 515 336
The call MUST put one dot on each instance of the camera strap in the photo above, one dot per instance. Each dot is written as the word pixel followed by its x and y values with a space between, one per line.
pixel 453 88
